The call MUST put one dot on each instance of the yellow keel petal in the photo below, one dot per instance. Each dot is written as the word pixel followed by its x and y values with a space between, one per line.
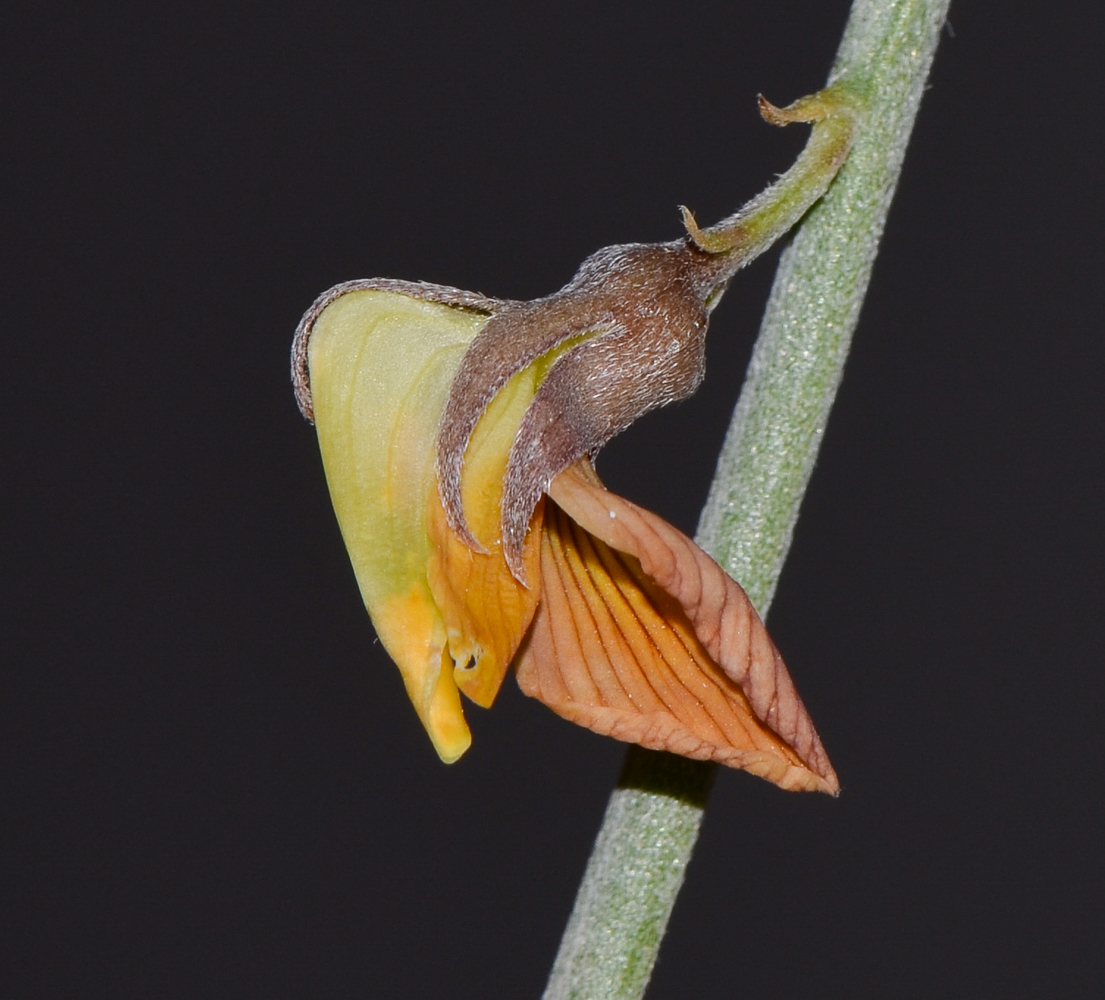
pixel 381 365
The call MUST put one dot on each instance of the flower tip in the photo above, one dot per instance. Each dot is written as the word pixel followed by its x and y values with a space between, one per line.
pixel 443 716
pixel 451 752
pixel 812 782
pixel 813 775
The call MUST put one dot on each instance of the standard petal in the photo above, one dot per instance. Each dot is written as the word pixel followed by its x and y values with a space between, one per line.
pixel 640 635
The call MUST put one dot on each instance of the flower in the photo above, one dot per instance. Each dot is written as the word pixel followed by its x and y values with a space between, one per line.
pixel 457 433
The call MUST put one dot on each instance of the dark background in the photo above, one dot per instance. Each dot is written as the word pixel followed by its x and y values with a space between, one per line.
pixel 212 783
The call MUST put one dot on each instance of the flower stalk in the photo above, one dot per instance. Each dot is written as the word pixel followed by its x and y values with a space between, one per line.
pixel 637 866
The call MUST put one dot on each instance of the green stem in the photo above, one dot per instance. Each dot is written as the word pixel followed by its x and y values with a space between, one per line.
pixel 636 868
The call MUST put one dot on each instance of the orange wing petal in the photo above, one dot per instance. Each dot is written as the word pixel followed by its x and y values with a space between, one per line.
pixel 641 636
pixel 485 610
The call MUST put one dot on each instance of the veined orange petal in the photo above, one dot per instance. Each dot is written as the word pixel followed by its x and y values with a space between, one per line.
pixel 641 636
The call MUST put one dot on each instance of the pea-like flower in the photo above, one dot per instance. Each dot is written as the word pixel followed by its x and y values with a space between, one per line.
pixel 457 433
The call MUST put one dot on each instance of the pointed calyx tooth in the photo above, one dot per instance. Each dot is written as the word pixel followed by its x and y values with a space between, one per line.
pixel 512 340
pixel 626 335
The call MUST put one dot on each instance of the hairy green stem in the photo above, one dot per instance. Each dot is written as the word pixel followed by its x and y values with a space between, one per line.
pixel 636 868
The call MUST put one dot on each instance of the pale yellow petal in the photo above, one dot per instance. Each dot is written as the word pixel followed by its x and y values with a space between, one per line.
pixel 381 365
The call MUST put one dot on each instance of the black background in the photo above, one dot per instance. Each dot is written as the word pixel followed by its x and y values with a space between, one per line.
pixel 212 783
